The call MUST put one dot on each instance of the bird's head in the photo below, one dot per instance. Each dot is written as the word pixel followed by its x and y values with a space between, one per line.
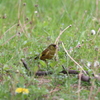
pixel 52 46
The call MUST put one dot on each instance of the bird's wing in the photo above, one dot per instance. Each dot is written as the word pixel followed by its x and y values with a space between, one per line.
pixel 45 52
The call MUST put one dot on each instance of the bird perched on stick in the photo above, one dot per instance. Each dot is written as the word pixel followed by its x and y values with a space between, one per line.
pixel 48 53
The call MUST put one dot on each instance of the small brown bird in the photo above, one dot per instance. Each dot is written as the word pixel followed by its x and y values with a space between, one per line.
pixel 48 53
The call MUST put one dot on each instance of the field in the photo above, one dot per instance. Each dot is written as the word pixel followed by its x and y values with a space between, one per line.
pixel 27 27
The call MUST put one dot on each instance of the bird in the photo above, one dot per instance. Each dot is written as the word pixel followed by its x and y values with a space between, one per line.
pixel 48 53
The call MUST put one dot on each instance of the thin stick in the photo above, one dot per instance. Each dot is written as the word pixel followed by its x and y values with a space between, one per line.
pixel 22 27
pixel 9 39
pixel 9 29
pixel 97 2
pixel 91 91
pixel 25 64
pixel 79 84
pixel 57 39
pixel 73 59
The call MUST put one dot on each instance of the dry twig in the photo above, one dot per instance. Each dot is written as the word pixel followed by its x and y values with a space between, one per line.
pixel 9 39
pixel 73 59
pixel 57 39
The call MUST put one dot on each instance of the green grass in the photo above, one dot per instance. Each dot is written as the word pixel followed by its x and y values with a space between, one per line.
pixel 29 26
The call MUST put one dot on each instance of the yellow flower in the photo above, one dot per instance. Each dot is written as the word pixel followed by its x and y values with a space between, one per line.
pixel 25 91
pixel 18 90
pixel 22 90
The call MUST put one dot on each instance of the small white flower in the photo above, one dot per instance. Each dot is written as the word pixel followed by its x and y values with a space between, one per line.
pixel 17 71
pixel 89 64
pixel 96 63
pixel 35 12
pixel 93 32
pixel 94 19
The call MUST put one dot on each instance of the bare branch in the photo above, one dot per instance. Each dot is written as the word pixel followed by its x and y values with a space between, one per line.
pixel 57 39
pixel 73 59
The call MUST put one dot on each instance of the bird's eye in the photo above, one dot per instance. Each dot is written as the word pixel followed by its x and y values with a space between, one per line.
pixel 54 45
